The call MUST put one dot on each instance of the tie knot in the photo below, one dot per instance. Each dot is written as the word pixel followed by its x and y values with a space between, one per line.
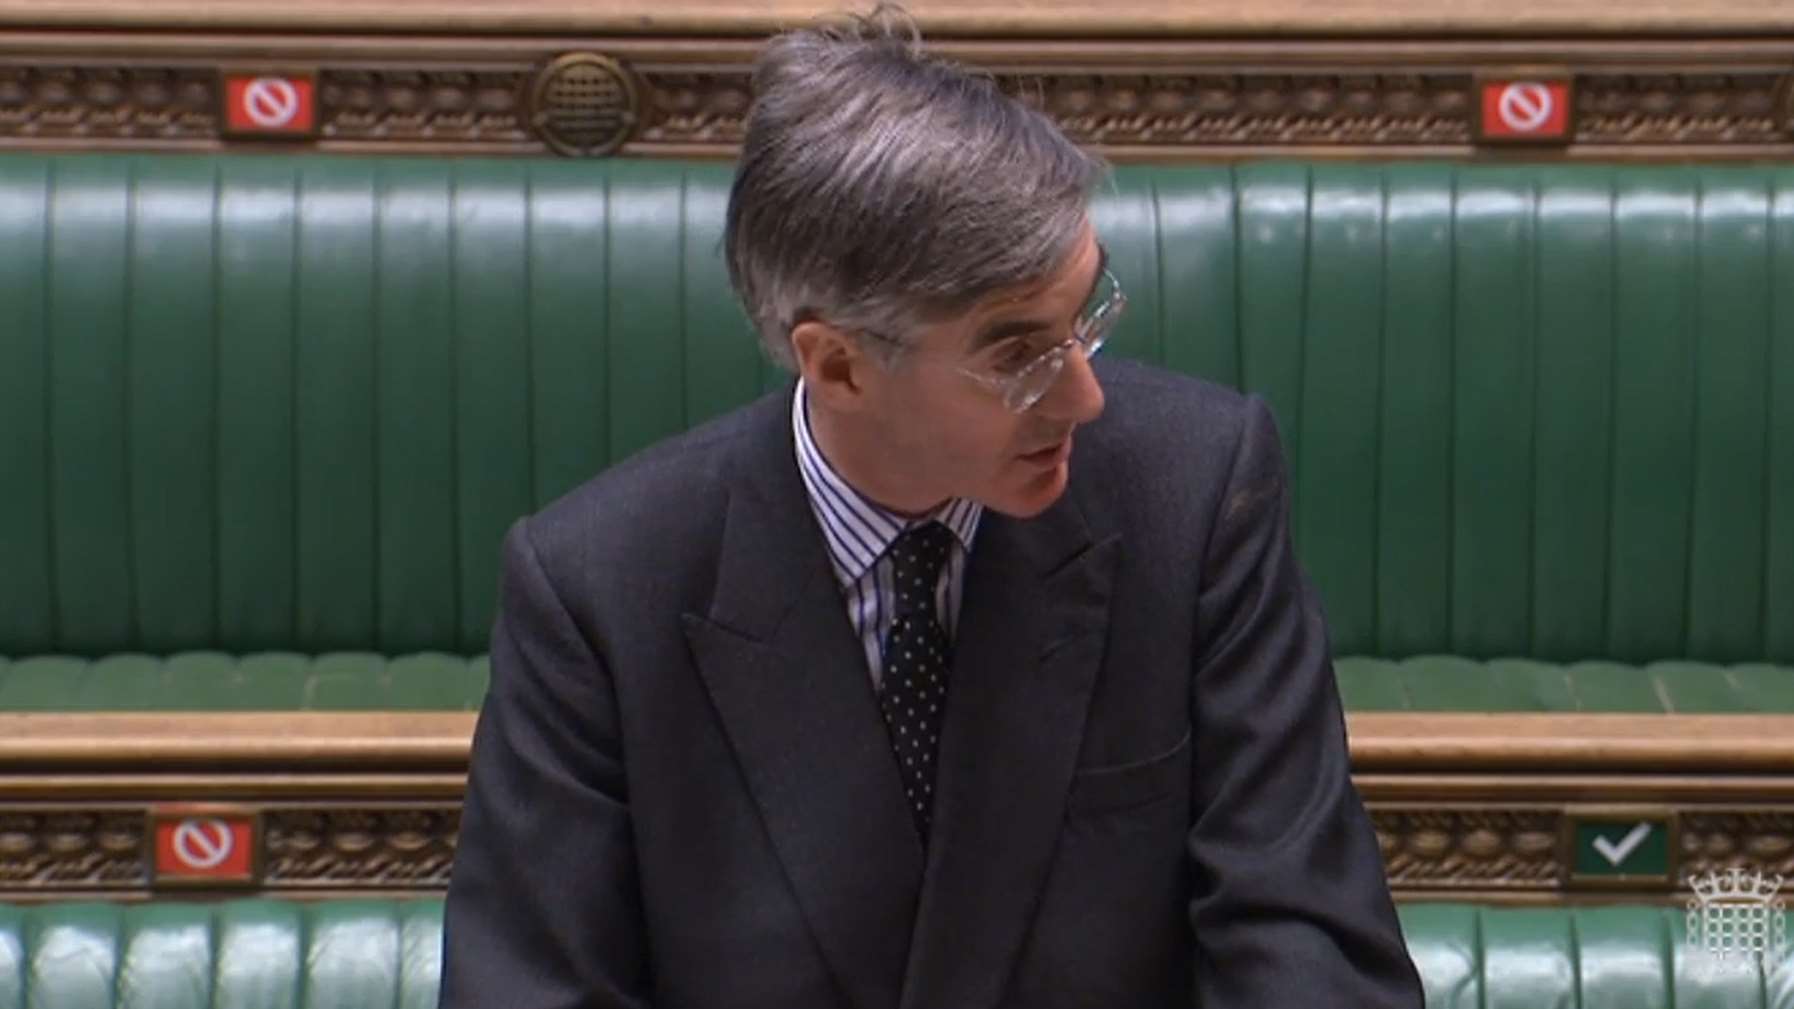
pixel 916 558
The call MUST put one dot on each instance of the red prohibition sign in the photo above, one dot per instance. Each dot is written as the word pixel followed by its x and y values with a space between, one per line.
pixel 203 844
pixel 271 102
pixel 1525 106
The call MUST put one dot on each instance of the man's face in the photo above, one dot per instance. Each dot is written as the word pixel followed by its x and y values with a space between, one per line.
pixel 944 434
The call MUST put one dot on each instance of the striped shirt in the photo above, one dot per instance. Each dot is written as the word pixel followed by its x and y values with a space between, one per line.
pixel 858 533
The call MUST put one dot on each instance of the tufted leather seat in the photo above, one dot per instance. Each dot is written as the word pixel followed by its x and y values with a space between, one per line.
pixel 267 417
pixel 1584 958
pixel 1454 683
pixel 259 954
pixel 267 681
pixel 434 681
pixel 249 954
pixel 288 405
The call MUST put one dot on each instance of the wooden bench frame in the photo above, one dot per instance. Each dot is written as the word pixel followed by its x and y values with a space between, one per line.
pixel 1467 806
pixel 946 18
pixel 1138 79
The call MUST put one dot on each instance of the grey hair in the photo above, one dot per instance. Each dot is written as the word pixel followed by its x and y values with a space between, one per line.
pixel 881 187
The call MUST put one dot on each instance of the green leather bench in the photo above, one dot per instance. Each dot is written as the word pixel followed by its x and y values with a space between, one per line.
pixel 267 417
pixel 368 954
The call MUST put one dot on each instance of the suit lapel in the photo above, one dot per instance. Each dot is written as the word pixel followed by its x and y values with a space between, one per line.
pixel 1025 663
pixel 789 681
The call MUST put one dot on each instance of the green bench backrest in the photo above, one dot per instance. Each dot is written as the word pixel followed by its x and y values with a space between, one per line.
pixel 291 403
pixel 355 954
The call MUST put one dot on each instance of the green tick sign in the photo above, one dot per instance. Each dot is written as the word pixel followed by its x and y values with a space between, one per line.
pixel 1636 849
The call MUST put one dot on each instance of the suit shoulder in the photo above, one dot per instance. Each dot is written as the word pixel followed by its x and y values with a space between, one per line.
pixel 1152 412
pixel 665 493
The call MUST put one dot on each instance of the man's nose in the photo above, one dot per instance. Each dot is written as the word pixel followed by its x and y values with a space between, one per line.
pixel 1076 396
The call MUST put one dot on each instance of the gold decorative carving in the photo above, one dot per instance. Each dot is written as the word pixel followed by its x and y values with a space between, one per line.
pixel 1268 109
pixel 72 849
pixel 422 104
pixel 585 105
pixel 1381 19
pixel 1720 840
pixel 83 102
pixel 695 108
pixel 1427 847
pixel 1442 849
pixel 1691 108
pixel 1785 105
pixel 322 847
pixel 594 104
pixel 1144 109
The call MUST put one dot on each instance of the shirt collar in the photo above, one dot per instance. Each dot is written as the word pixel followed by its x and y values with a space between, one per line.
pixel 856 530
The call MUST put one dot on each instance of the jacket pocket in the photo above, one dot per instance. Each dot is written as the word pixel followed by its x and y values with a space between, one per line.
pixel 1124 786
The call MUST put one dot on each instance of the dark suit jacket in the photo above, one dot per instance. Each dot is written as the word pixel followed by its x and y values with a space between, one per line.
pixel 682 794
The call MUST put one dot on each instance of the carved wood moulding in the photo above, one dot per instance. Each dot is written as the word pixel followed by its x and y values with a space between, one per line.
pixel 939 18
pixel 56 848
pixel 1440 849
pixel 72 848
pixel 1514 807
pixel 1429 850
pixel 310 848
pixel 1715 841
pixel 595 97
pixel 403 105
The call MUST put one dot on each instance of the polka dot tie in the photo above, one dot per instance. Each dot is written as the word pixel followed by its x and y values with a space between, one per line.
pixel 914 693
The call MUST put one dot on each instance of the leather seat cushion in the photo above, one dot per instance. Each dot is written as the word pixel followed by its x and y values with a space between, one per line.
pixel 434 681
pixel 1453 683
pixel 269 681
pixel 362 954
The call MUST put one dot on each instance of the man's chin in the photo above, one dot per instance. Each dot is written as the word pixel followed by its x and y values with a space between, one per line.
pixel 1033 494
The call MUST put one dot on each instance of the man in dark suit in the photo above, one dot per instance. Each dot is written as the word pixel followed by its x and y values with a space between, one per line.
pixel 875 694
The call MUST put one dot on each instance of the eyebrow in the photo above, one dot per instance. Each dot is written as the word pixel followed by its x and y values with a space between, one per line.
pixel 990 336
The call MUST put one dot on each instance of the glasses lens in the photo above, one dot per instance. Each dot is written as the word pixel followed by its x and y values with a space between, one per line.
pixel 1098 332
pixel 1033 383
pixel 1095 322
pixel 1100 297
pixel 1100 314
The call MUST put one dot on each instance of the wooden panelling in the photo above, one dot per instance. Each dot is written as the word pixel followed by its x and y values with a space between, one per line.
pixel 1666 81
pixel 1473 805
pixel 1060 18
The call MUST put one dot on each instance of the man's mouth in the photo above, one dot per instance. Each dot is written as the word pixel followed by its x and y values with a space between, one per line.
pixel 1051 455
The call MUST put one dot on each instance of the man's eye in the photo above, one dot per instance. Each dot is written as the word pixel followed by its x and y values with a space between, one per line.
pixel 1012 356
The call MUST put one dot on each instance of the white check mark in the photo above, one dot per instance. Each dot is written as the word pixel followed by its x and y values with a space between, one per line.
pixel 1616 853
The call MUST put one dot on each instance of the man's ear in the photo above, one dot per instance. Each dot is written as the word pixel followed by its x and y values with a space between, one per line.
pixel 834 366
